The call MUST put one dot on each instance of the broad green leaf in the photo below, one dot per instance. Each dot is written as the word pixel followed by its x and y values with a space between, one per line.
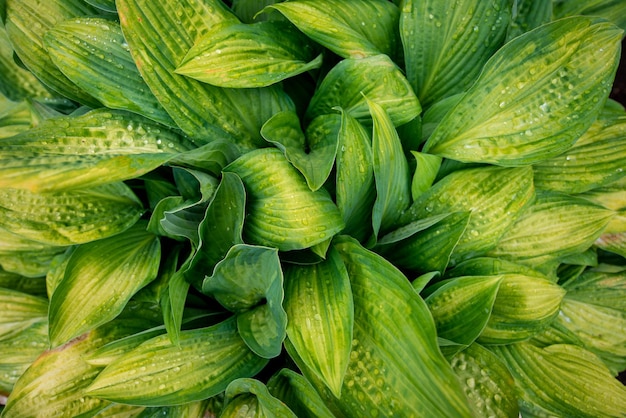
pixel 173 302
pixel 159 38
pixel 528 15
pixel 298 394
pixel 211 157
pixel 93 53
pixel 524 306
pixel 54 385
pixel 433 116
pixel 487 382
pixel 20 351
pixel 35 286
pixel 595 160
pixel 391 171
pixel 282 211
pixel 221 227
pixel 113 350
pixel 249 282
pixel 91 292
pixel 19 311
pixel 535 97
pixel 206 408
pixel 461 308
pixel 355 191
pixel 71 217
pixel 494 196
pixel 562 380
pixel 614 243
pixel 27 21
pixel 15 117
pixel 395 368
pixel 247 397
pixel 16 83
pixel 99 147
pixel 554 226
pixel 158 372
pixel 121 411
pixel 426 169
pixel 612 10
pixel 600 288
pixel 425 245
pixel 612 196
pixel 447 44
pixel 312 152
pixel 318 302
pixel 29 263
pixel 349 28
pixel 349 82
pixel 249 55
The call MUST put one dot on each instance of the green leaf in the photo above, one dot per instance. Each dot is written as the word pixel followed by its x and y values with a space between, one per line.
pixel 19 311
pixel 249 55
pixel 16 83
pixel 173 301
pixel 298 394
pixel 93 53
pixel 91 292
pixel 35 286
pixel 106 5
pixel 99 147
pixel 160 38
pixel 20 351
pixel 535 97
pixel 248 10
pixel 72 217
pixel 446 45
pixel 612 10
pixel 461 308
pixel 426 169
pixel 554 226
pixel 562 380
pixel 27 21
pixel 425 245
pixel 249 282
pixel 395 367
pixel 349 82
pixel 158 372
pixel 221 227
pixel 211 157
pixel 250 398
pixel 349 28
pixel 391 171
pixel 494 196
pixel 282 211
pixel 614 243
pixel 311 152
pixel 318 302
pixel 486 381
pixel 355 191
pixel 595 160
pixel 15 117
pixel 528 15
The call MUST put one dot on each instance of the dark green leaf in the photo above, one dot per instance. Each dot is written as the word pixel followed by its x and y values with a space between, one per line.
pixel 250 398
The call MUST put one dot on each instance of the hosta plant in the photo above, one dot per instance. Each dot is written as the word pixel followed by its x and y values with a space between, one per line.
pixel 312 208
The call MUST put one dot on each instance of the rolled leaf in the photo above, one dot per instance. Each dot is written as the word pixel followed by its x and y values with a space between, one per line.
pixel 351 29
pixel 391 171
pixel 92 293
pixel 158 372
pixel 555 226
pixel 160 38
pixel 249 55
pixel 535 97
pixel 426 169
pixel 562 380
pixel 99 147
pixel 93 53
pixel 72 217
pixel 282 211
pixel 446 45
pixel 249 282
pixel 318 302
pixel 249 397
pixel 355 192
pixel 352 80
pixel 26 24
